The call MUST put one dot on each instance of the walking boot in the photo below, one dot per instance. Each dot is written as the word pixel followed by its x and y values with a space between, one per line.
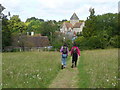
pixel 62 67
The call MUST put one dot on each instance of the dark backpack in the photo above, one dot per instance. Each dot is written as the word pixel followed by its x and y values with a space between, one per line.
pixel 74 51
pixel 64 51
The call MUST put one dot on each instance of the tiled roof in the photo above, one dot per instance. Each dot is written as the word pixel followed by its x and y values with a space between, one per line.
pixel 77 25
pixel 39 41
pixel 68 25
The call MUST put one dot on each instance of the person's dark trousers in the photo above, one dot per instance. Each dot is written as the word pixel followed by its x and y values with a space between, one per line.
pixel 74 59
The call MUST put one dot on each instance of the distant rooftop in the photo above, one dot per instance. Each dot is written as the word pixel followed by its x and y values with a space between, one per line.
pixel 1 8
pixel 74 17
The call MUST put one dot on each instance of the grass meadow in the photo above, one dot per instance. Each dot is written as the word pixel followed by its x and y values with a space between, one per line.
pixel 98 69
pixel 29 69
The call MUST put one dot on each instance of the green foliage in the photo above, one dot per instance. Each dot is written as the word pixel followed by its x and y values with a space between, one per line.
pixel 34 25
pixel 57 43
pixel 48 29
pixel 90 25
pixel 100 31
pixel 114 41
pixel 6 33
pixel 34 19
pixel 16 26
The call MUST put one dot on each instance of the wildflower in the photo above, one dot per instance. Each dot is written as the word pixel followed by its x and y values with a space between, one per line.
pixel 113 84
pixel 26 74
pixel 39 78
pixel 11 72
pixel 115 77
pixel 107 80
pixel 37 75
pixel 33 76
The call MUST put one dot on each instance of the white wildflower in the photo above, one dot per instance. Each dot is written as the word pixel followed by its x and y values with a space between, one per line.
pixel 39 78
pixel 33 76
pixel 37 75
pixel 11 72
pixel 113 84
pixel 107 80
pixel 26 74
pixel 115 77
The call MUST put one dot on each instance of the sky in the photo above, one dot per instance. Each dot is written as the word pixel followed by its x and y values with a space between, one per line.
pixel 58 9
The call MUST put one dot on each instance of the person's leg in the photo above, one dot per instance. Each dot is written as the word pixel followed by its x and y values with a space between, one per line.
pixel 65 62
pixel 72 62
pixel 76 60
pixel 75 63
pixel 62 62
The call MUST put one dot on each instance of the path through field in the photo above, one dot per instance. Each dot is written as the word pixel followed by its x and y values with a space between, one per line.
pixel 66 78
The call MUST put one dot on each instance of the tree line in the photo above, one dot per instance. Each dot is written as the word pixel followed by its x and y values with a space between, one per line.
pixel 100 31
pixel 14 27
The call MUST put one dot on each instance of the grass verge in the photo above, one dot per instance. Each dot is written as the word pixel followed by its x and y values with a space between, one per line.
pixel 98 69
pixel 29 69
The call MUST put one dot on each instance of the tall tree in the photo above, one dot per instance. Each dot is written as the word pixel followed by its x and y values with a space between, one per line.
pixel 16 25
pixel 6 34
pixel 90 24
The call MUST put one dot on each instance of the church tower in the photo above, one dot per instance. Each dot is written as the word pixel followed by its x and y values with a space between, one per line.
pixel 74 19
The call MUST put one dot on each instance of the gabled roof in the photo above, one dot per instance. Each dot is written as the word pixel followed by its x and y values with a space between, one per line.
pixel 68 25
pixel 39 41
pixel 77 25
pixel 74 17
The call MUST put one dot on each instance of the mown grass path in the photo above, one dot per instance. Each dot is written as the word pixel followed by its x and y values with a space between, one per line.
pixel 66 78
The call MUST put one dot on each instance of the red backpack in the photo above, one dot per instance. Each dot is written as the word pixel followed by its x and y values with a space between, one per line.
pixel 74 50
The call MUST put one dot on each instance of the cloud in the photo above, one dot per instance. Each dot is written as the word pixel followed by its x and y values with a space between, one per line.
pixel 57 9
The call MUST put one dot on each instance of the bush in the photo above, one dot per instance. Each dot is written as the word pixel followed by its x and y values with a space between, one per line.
pixel 114 41
pixel 93 42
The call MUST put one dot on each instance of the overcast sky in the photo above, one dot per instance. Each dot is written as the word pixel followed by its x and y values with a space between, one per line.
pixel 57 9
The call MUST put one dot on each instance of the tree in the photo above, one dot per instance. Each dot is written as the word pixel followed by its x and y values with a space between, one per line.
pixel 34 25
pixel 6 33
pixel 16 26
pixel 34 18
pixel 90 24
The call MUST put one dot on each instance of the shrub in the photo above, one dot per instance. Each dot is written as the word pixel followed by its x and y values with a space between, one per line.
pixel 114 41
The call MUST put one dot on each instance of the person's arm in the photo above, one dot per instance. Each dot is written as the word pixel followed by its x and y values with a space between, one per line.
pixel 67 51
pixel 61 49
pixel 71 51
pixel 78 51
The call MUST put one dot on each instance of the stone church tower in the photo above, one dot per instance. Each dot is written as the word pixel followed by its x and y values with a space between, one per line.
pixel 73 27
pixel 74 19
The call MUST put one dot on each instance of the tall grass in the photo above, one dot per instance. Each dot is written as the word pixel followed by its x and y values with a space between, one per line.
pixel 29 69
pixel 0 70
pixel 98 69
